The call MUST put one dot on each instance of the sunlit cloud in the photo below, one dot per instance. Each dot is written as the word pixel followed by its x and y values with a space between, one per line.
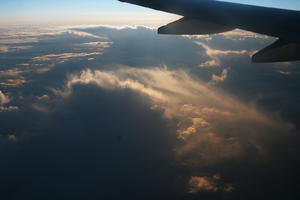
pixel 4 99
pixel 10 72
pixel 238 34
pixel 13 82
pixel 41 108
pixel 215 54
pixel 210 122
pixel 12 77
pixel 43 97
pixel 7 49
pixel 211 125
pixel 12 137
pixel 18 40
pixel 63 57
pixel 208 184
pixel 99 44
pixel 285 73
pixel 84 34
pixel 217 79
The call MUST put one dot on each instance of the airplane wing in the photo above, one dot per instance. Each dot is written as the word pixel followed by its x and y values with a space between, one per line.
pixel 211 16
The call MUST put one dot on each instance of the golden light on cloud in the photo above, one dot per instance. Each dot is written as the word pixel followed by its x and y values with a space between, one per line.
pixel 215 54
pixel 7 49
pixel 208 184
pixel 211 123
pixel 4 99
pixel 199 184
pixel 64 56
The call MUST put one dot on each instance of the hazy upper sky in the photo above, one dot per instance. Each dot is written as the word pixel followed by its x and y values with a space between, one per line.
pixel 97 11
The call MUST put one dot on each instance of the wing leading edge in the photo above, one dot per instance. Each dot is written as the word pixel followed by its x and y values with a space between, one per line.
pixel 210 17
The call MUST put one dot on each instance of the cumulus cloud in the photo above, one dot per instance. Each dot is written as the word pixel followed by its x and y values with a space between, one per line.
pixel 84 34
pixel 13 82
pixel 208 184
pixel 7 49
pixel 10 72
pixel 12 138
pixel 215 55
pixel 133 111
pixel 3 98
pixel 210 122
pixel 215 131
pixel 99 44
pixel 43 97
pixel 64 56
pixel 12 77
pixel 238 34
pixel 8 108
pixel 285 73
pixel 18 40
pixel 216 79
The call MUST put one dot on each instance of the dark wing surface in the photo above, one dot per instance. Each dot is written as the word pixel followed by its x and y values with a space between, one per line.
pixel 210 16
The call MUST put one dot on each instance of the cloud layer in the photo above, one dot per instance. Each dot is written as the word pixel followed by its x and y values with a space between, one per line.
pixel 123 113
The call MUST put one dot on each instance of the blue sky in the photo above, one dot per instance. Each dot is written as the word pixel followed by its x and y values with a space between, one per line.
pixel 11 10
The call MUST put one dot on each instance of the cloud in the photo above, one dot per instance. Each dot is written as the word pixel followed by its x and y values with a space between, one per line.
pixel 18 40
pixel 12 77
pixel 209 121
pixel 84 34
pixel 41 108
pixel 12 138
pixel 13 82
pixel 7 49
pixel 208 184
pixel 43 97
pixel 3 98
pixel 64 56
pixel 99 44
pixel 285 73
pixel 113 118
pixel 199 184
pixel 215 54
pixel 217 79
pixel 8 108
pixel 80 136
pixel 239 35
pixel 10 73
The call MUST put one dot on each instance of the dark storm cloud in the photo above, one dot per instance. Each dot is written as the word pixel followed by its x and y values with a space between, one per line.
pixel 127 114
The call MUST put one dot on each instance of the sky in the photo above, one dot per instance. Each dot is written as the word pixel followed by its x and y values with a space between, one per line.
pixel 96 11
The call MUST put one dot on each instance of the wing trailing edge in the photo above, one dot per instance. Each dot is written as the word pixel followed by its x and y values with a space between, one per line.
pixel 279 51
pixel 189 26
